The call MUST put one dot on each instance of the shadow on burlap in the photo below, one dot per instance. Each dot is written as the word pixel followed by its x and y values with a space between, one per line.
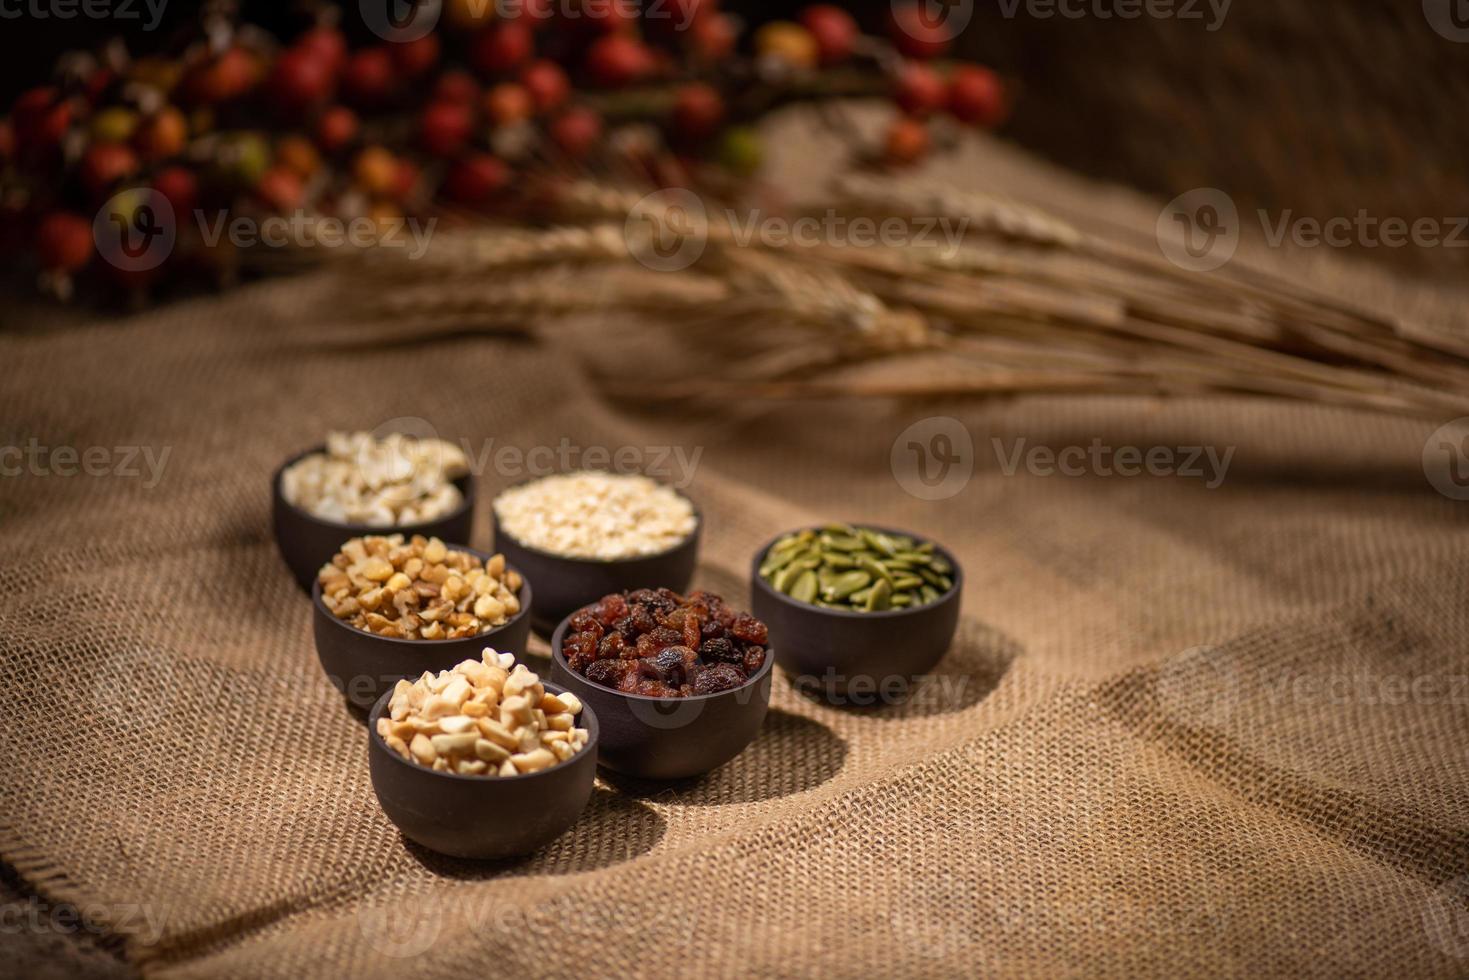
pixel 1171 739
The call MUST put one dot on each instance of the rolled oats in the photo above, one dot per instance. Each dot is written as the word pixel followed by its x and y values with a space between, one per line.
pixel 590 514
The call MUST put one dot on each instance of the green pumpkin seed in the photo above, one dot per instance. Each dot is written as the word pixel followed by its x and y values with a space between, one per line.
pixel 804 589
pixel 855 568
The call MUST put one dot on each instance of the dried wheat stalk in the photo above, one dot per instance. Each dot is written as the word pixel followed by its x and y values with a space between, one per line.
pixel 1028 303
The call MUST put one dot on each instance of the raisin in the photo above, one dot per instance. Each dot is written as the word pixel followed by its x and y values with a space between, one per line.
pixel 720 651
pixel 612 647
pixel 650 643
pixel 607 673
pixel 610 608
pixel 720 677
pixel 691 634
pixel 749 629
pixel 637 622
pixel 582 620
pixel 754 659
pixel 656 689
pixel 677 665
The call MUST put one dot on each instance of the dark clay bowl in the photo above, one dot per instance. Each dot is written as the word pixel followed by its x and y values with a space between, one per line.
pixel 481 816
pixel 668 738
pixel 363 665
pixel 566 584
pixel 307 542
pixel 856 657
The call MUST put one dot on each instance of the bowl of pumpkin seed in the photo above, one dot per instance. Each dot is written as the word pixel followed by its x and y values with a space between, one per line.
pixel 856 612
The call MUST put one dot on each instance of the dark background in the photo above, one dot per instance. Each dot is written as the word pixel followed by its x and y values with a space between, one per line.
pixel 1324 109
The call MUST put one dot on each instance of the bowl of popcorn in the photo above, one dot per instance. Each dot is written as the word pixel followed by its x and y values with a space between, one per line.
pixel 585 534
pixel 681 683
pixel 387 607
pixel 482 760
pixel 358 483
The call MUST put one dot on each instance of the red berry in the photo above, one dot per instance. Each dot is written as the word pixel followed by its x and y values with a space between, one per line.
pixel 907 142
pixel 40 123
pixel 7 140
pixel 546 83
pixel 713 36
pixel 976 95
pixel 476 178
pixel 834 29
pixel 405 179
pixel 300 79
pixel 501 47
pixel 697 111
pixel 668 18
pixel 508 103
pixel 917 33
pixel 576 131
pixel 919 90
pixel 64 241
pixel 163 135
pixel 180 188
pixel 104 165
pixel 328 44
pixel 456 86
pixel 616 60
pixel 280 189
pixel 336 129
pixel 416 57
pixel 376 170
pixel 227 76
pixel 369 76
pixel 444 128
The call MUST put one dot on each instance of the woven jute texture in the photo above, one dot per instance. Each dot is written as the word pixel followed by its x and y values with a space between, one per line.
pixel 1182 730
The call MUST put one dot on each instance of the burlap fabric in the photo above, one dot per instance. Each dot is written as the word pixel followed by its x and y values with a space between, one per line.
pixel 1178 733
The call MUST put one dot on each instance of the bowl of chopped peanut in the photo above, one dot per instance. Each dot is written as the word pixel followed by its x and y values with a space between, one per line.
pixel 356 484
pixel 389 607
pixel 483 760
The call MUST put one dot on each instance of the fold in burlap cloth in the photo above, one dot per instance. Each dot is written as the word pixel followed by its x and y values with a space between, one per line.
pixel 1178 732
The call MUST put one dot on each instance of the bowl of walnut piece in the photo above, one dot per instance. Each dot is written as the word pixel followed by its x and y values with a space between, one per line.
pixel 389 607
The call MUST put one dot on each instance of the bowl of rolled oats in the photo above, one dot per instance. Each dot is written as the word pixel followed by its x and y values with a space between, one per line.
pixel 585 534
pixel 389 606
pixel 483 759
pixel 357 483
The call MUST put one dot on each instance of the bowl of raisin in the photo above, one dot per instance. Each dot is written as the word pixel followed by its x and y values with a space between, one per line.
pixel 680 683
